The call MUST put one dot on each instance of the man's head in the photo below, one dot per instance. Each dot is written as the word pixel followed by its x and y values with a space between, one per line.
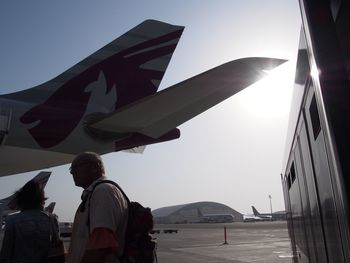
pixel 86 168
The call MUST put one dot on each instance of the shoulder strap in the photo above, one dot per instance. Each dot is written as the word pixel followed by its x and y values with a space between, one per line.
pixel 104 182
pixel 113 183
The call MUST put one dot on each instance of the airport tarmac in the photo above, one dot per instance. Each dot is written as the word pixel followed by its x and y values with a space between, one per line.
pixel 266 242
pixel 262 242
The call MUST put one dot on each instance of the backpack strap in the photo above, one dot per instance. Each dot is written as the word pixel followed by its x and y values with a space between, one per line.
pixel 113 183
pixel 90 195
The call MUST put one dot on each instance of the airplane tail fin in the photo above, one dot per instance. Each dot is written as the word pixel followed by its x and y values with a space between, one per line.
pixel 127 69
pixel 42 178
pixel 199 213
pixel 50 207
pixel 256 213
pixel 133 64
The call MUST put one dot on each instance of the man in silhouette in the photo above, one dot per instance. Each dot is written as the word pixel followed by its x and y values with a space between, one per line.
pixel 101 219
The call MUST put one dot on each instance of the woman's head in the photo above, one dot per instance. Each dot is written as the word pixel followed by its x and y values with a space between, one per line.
pixel 31 196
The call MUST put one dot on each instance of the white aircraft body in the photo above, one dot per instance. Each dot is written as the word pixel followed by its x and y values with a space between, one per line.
pixel 279 215
pixel 109 101
pixel 214 218
pixel 253 218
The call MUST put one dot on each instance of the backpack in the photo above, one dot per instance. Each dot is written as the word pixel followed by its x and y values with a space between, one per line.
pixel 139 246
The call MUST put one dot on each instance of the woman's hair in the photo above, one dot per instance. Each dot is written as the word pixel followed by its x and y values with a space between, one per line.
pixel 31 196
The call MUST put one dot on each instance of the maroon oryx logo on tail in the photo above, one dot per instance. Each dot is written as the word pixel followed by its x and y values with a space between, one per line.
pixel 62 111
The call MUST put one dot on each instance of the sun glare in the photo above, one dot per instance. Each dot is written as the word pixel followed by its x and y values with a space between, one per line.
pixel 314 71
pixel 270 97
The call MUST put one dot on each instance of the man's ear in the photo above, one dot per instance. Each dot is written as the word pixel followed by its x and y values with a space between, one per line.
pixel 95 169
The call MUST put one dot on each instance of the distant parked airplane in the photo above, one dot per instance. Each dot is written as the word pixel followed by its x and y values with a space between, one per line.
pixel 109 101
pixel 252 218
pixel 214 218
pixel 257 214
pixel 50 207
pixel 280 215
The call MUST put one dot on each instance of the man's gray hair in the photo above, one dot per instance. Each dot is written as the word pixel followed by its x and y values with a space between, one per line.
pixel 94 158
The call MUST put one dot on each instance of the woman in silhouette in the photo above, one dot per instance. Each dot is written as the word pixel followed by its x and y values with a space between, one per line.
pixel 28 234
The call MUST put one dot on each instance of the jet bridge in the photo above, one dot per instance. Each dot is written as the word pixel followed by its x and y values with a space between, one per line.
pixel 316 181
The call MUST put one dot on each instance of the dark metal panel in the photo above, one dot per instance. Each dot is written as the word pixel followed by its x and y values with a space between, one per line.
pixel 324 185
pixel 305 206
pixel 343 32
pixel 297 216
pixel 286 183
pixel 328 47
pixel 314 222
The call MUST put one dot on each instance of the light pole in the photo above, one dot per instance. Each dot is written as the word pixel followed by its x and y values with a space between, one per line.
pixel 270 205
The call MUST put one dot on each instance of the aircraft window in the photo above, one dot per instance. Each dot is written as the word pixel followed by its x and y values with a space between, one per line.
pixel 315 119
pixel 292 173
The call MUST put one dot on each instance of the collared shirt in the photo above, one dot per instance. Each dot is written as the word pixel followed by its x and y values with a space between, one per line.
pixel 107 208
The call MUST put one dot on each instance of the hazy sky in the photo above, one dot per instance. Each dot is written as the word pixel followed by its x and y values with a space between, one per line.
pixel 230 154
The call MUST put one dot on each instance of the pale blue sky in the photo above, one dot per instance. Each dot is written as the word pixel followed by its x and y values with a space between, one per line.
pixel 230 154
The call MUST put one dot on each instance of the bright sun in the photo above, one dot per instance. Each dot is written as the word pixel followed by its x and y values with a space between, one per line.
pixel 270 97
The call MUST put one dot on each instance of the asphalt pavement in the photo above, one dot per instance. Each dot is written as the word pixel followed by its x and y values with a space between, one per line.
pixel 257 242
pixel 266 242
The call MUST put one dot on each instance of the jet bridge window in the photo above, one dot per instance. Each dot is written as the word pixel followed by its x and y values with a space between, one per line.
pixel 289 183
pixel 291 176
pixel 315 118
pixel 292 173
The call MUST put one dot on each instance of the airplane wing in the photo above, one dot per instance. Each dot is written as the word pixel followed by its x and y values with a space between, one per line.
pixel 161 112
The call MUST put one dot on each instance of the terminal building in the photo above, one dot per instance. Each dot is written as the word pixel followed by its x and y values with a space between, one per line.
pixel 199 212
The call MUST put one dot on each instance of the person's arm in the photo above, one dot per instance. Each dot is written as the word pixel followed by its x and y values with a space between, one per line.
pixel 8 244
pixel 102 243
